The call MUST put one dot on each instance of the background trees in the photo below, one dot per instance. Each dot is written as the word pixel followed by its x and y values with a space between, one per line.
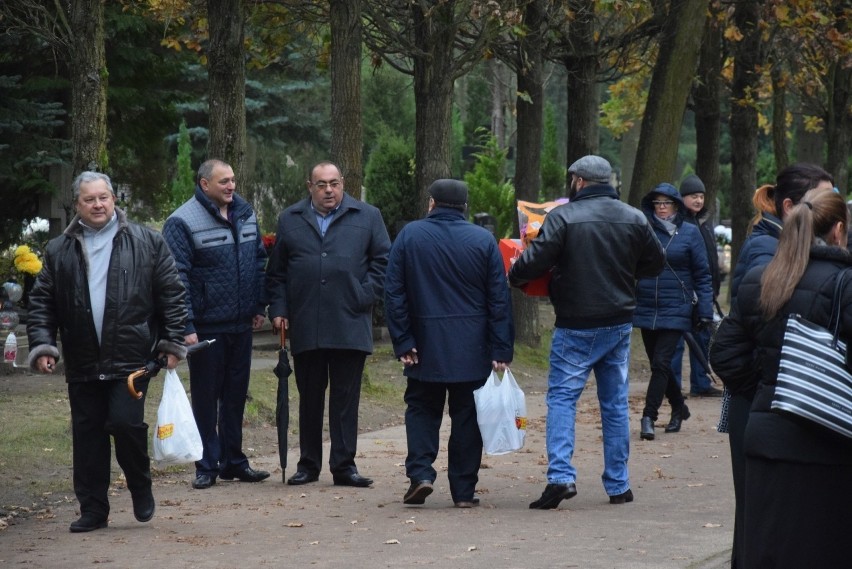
pixel 398 89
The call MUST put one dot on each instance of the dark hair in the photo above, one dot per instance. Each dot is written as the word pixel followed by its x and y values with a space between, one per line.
pixel 793 181
pixel 815 216
pixel 206 169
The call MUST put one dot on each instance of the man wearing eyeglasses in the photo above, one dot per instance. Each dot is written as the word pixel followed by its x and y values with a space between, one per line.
pixel 325 273
pixel 597 247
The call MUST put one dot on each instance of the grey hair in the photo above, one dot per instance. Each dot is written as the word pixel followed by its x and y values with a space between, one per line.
pixel 85 178
pixel 206 169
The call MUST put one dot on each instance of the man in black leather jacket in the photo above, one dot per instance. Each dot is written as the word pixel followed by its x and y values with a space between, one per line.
pixel 597 247
pixel 111 290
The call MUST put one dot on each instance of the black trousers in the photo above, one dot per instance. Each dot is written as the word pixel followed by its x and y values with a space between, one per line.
pixel 660 347
pixel 100 409
pixel 340 371
pixel 739 408
pixel 425 401
pixel 218 382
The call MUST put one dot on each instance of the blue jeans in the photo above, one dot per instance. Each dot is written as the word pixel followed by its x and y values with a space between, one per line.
pixel 573 354
pixel 698 379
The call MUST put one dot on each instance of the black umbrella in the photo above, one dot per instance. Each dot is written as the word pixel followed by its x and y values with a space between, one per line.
pixel 153 366
pixel 282 406
pixel 696 350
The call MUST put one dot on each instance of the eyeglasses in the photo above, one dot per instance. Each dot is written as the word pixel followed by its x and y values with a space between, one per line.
pixel 335 184
pixel 662 203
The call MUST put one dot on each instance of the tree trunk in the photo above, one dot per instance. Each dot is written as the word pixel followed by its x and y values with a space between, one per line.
pixel 629 144
pixel 708 114
pixel 680 42
pixel 810 146
pixel 498 78
pixel 779 117
pixel 748 58
pixel 88 87
pixel 839 125
pixel 433 96
pixel 227 79
pixel 530 116
pixel 581 65
pixel 346 127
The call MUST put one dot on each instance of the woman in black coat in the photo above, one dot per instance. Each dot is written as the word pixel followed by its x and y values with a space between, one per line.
pixel 796 500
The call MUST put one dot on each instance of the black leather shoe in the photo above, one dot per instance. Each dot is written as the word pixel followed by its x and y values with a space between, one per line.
pixel 646 431
pixel 622 498
pixel 553 494
pixel 87 522
pixel 143 505
pixel 417 492
pixel 302 477
pixel 247 474
pixel 353 479
pixel 203 481
pixel 678 417
pixel 472 503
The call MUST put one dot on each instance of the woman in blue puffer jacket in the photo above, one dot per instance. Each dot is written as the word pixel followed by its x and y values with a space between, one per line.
pixel 664 304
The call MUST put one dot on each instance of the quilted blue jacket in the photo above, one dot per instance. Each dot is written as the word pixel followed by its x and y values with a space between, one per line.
pixel 665 302
pixel 221 264
pixel 758 250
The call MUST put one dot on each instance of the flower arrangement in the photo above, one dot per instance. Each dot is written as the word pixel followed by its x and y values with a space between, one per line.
pixel 26 261
pixel 723 235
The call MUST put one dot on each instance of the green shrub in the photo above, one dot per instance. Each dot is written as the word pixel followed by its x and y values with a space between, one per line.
pixel 490 192
pixel 389 182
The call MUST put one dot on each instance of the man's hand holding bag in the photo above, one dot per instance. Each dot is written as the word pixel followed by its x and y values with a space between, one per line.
pixel 501 413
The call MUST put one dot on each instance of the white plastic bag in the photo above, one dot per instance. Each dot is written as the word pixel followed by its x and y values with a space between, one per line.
pixel 176 438
pixel 501 412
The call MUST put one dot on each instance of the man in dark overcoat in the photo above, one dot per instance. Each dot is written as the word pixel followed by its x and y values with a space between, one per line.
pixel 449 315
pixel 324 275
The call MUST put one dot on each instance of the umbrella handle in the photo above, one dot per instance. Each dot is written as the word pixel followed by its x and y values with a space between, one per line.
pixel 130 383
pixel 283 335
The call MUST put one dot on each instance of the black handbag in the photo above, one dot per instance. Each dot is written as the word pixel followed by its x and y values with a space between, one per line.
pixel 814 382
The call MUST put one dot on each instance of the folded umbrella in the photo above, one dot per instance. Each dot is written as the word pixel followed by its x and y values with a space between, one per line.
pixel 282 406
pixel 153 366
pixel 699 353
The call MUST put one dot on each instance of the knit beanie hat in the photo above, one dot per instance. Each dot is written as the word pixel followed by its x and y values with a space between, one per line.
pixel 692 184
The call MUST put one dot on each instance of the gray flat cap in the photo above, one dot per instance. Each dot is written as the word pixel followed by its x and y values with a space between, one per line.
pixel 592 168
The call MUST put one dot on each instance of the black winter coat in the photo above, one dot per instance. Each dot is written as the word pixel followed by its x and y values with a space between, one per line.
pixel 700 219
pixel 746 352
pixel 144 312
pixel 597 247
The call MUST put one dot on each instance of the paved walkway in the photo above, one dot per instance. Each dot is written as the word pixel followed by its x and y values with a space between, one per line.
pixel 681 518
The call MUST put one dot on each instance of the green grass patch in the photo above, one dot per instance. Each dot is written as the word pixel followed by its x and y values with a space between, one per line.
pixel 538 357
pixel 35 435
